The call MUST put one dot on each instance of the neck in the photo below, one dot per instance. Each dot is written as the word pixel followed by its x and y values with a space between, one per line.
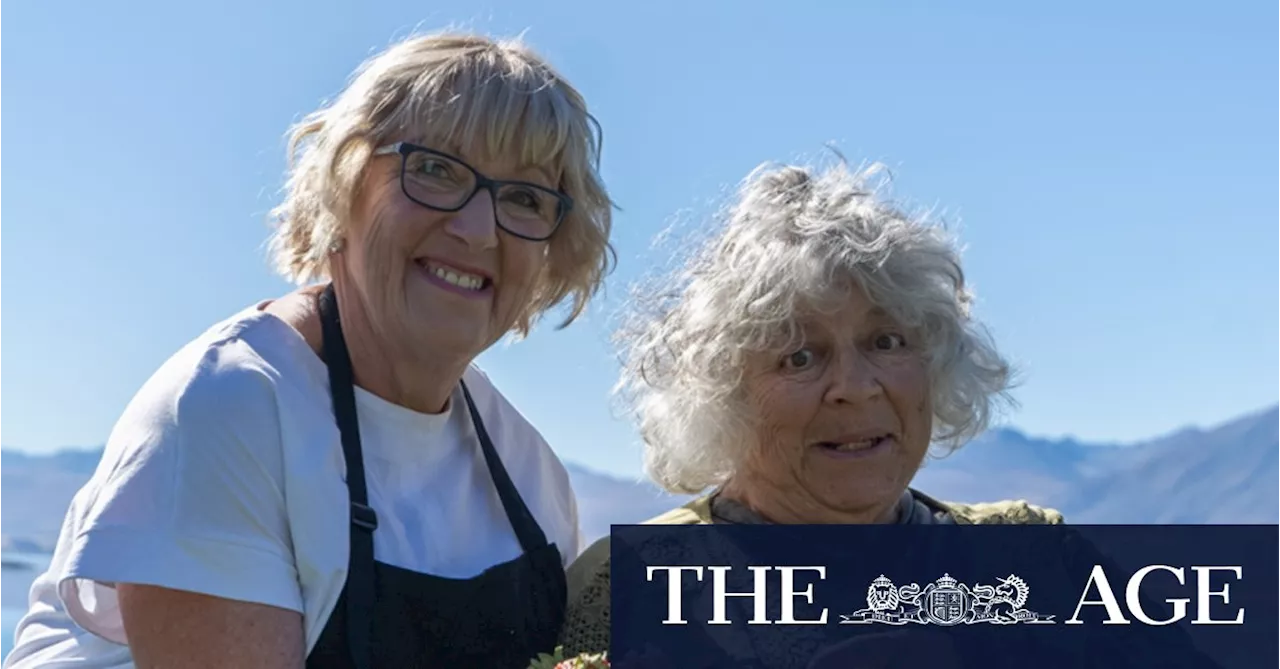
pixel 391 370
pixel 792 505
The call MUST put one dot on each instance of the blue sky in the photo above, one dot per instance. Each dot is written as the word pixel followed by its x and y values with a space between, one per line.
pixel 1112 170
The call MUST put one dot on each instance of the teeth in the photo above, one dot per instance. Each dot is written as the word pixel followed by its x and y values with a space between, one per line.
pixel 460 279
pixel 856 445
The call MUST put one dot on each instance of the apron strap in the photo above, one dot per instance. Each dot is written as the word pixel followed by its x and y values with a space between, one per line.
pixel 522 521
pixel 361 587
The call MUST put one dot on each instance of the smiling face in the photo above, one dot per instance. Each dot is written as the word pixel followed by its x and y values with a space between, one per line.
pixel 842 421
pixel 436 282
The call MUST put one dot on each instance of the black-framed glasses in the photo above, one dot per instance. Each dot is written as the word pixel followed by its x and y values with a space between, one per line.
pixel 442 182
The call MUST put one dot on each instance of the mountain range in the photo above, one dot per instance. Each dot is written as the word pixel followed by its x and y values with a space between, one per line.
pixel 1226 474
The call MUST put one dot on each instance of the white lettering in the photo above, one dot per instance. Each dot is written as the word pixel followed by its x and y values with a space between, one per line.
pixel 674 600
pixel 1203 593
pixel 1098 578
pixel 789 594
pixel 1133 597
pixel 758 594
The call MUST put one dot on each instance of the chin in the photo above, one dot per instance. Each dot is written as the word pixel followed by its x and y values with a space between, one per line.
pixel 443 331
pixel 858 496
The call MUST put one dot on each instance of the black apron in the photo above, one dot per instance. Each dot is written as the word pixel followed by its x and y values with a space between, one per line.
pixel 387 616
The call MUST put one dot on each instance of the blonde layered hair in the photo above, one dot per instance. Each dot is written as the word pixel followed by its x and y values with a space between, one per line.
pixel 494 97
pixel 796 242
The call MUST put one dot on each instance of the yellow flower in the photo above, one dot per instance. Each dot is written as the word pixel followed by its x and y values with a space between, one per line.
pixel 557 660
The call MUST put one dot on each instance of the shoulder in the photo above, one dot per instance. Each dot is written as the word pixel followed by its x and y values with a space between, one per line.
pixel 694 512
pixel 595 559
pixel 230 370
pixel 536 470
pixel 213 407
pixel 499 413
pixel 593 564
pixel 190 487
pixel 1003 512
pixel 587 619
pixel 250 343
pixel 521 443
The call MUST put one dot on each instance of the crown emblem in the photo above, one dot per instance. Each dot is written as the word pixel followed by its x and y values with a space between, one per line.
pixel 882 581
pixel 947 582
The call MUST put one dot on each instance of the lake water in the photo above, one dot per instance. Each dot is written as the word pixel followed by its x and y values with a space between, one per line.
pixel 9 620
pixel 14 588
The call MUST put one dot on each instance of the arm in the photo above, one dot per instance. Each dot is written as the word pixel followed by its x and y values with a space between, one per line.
pixel 184 630
pixel 182 545
pixel 587 617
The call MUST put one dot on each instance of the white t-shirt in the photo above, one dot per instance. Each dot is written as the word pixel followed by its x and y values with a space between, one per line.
pixel 225 476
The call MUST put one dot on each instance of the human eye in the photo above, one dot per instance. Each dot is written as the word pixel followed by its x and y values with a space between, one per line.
pixel 434 170
pixel 524 199
pixel 433 167
pixel 799 360
pixel 889 341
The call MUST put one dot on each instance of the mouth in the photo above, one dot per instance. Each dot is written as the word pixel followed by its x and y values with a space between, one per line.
pixel 467 281
pixel 860 445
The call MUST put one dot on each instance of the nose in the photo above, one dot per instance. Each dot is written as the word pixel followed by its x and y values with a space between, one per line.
pixel 476 224
pixel 854 379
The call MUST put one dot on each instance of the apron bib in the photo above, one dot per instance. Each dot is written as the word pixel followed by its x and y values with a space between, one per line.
pixel 387 616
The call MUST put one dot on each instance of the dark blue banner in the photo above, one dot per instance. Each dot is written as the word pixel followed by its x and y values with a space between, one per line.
pixel 933 596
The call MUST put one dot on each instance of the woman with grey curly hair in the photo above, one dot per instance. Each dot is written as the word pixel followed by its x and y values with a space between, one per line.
pixel 326 479
pixel 800 367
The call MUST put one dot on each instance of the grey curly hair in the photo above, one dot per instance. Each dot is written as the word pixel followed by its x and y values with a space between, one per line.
pixel 798 239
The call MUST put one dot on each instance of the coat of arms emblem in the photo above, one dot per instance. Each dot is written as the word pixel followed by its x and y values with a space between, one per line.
pixel 946 602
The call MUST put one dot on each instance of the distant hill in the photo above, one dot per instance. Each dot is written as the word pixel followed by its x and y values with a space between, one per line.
pixel 605 500
pixel 1225 474
pixel 35 491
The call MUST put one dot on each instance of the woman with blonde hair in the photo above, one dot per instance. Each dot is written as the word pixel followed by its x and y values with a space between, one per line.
pixel 326 479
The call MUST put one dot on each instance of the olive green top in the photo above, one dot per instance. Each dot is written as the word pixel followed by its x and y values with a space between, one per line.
pixel 586 628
